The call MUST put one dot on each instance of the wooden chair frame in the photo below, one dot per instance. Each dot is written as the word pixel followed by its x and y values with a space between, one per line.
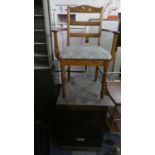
pixel 117 104
pixel 77 62
pixel 113 81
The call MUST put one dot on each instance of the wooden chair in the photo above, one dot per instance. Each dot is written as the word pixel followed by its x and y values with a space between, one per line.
pixel 84 55
pixel 113 90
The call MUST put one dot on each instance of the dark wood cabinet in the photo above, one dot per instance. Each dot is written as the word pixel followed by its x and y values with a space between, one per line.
pixel 81 129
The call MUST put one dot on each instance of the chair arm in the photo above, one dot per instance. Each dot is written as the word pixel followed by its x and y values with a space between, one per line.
pixel 56 48
pixel 114 43
pixel 114 32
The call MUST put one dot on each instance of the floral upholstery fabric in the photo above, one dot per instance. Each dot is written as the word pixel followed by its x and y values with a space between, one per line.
pixel 85 52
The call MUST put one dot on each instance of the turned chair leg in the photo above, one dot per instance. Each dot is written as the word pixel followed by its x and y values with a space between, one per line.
pixel 68 73
pixel 104 77
pixel 96 73
pixel 106 91
pixel 63 80
pixel 86 69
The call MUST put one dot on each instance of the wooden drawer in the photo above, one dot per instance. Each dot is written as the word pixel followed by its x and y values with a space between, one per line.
pixel 80 129
pixel 81 140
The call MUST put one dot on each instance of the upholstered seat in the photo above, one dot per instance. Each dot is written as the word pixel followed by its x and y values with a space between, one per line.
pixel 85 52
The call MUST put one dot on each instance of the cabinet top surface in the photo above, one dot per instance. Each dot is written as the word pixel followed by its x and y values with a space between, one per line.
pixel 84 92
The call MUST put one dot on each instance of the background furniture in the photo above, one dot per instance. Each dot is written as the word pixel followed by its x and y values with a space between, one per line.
pixel 44 110
pixel 41 139
pixel 44 88
pixel 43 56
pixel 113 90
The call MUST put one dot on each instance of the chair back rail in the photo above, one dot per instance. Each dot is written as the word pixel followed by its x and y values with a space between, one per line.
pixel 84 9
pixel 85 23
pixel 87 35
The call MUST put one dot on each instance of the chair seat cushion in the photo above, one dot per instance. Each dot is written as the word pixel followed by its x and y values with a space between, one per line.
pixel 85 52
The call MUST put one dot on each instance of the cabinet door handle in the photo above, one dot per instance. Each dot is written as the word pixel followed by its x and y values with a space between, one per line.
pixel 80 139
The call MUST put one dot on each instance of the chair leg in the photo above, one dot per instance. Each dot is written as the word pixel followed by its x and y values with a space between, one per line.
pixel 63 80
pixel 112 119
pixel 106 91
pixel 96 73
pixel 104 77
pixel 68 73
pixel 86 69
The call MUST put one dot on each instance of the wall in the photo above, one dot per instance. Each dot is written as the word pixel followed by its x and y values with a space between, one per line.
pixel 97 3
pixel 78 2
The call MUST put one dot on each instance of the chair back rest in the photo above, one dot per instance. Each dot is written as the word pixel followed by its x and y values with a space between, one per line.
pixel 84 9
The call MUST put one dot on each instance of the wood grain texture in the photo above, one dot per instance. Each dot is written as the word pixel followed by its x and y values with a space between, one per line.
pixel 114 45
pixel 96 73
pixel 89 35
pixel 85 9
pixel 100 27
pixel 76 62
pixel 85 23
pixel 104 77
pixel 56 48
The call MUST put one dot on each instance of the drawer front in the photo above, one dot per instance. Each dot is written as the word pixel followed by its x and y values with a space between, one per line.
pixel 80 139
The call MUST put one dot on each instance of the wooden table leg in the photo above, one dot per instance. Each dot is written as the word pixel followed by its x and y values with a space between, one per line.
pixel 68 73
pixel 96 73
pixel 63 80
pixel 104 77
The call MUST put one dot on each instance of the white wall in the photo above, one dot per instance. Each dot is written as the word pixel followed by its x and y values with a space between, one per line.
pixel 78 2
pixel 97 3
